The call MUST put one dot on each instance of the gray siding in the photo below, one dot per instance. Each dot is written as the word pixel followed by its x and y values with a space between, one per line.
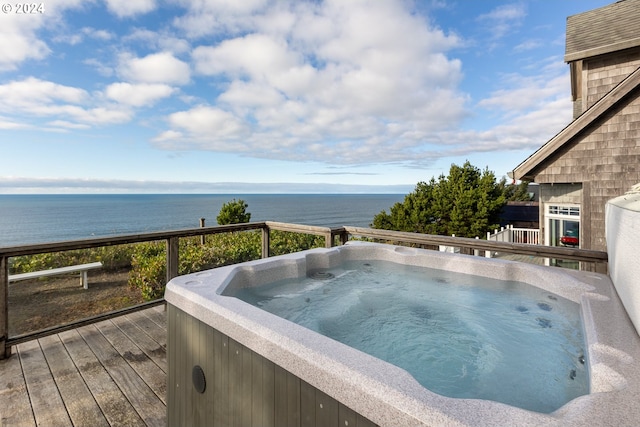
pixel 243 388
pixel 603 73
pixel 605 159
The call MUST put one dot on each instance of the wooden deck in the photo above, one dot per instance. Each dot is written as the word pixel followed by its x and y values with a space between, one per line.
pixel 111 373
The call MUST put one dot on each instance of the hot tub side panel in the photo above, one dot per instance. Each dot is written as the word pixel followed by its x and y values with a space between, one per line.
pixel 241 387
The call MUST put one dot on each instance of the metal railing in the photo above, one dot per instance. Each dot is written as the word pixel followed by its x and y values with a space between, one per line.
pixel 339 235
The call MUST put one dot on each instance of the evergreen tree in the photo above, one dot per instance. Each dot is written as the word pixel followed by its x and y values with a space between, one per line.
pixel 466 203
pixel 233 212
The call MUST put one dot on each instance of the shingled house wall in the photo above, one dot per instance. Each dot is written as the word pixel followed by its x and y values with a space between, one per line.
pixel 603 73
pixel 597 157
pixel 604 162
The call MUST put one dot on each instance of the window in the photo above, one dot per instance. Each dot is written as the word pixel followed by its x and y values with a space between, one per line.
pixel 564 210
pixel 563 229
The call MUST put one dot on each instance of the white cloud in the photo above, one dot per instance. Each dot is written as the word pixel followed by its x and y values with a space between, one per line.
pixel 531 111
pixel 528 45
pixel 160 67
pixel 345 82
pixel 31 92
pixel 18 40
pixel 158 40
pixel 528 131
pixel 241 94
pixel 208 125
pixel 255 56
pixel 99 66
pixel 219 16
pixel 342 81
pixel 103 35
pixel 129 8
pixel 138 95
pixel 19 33
pixel 68 106
pixel 503 19
pixel 75 38
pixel 8 124
pixel 67 125
pixel 526 93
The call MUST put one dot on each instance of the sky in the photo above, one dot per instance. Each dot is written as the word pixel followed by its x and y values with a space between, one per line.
pixel 251 96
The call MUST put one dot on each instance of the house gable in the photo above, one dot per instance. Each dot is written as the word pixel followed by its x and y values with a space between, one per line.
pixel 615 115
pixel 597 156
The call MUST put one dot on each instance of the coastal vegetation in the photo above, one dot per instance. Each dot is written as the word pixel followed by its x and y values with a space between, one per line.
pixel 465 203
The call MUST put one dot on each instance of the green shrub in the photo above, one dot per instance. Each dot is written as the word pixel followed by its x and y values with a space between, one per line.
pixel 286 242
pixel 232 248
pixel 149 269
pixel 148 272
pixel 112 258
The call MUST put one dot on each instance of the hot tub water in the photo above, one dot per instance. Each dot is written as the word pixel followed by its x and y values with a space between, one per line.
pixel 458 335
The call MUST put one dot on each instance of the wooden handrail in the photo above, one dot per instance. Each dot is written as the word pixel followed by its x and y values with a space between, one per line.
pixel 575 254
pixel 96 242
pixel 172 237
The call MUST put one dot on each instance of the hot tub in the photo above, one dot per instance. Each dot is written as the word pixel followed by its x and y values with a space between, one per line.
pixel 235 363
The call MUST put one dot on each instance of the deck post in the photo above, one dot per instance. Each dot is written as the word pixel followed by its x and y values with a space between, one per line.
pixel 172 257
pixel 328 240
pixel 266 239
pixel 5 350
pixel 202 238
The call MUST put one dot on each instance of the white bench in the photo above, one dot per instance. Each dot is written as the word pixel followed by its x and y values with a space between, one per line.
pixel 81 268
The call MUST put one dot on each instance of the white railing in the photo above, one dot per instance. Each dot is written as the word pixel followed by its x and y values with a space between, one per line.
pixel 505 235
pixel 515 235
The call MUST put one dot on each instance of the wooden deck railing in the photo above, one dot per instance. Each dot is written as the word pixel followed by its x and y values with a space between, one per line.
pixel 332 236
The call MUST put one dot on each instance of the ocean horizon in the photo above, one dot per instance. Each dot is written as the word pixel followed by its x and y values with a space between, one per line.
pixel 41 218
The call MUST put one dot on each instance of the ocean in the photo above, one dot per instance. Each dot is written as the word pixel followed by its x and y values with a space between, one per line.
pixel 28 219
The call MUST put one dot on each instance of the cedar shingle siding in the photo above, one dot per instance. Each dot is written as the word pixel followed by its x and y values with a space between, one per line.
pixel 606 159
pixel 603 73
pixel 597 157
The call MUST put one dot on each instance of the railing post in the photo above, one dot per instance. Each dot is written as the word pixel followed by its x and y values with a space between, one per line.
pixel 266 239
pixel 328 240
pixel 173 249
pixel 202 238
pixel 344 237
pixel 5 351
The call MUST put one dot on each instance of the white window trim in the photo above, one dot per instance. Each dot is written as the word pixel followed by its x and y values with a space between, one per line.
pixel 548 216
pixel 548 213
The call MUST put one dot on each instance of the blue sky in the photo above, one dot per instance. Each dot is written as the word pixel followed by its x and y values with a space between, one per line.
pixel 225 96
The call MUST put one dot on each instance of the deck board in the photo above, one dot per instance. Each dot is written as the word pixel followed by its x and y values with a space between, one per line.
pixel 46 401
pixel 15 407
pixel 154 350
pixel 79 402
pixel 115 407
pixel 111 373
